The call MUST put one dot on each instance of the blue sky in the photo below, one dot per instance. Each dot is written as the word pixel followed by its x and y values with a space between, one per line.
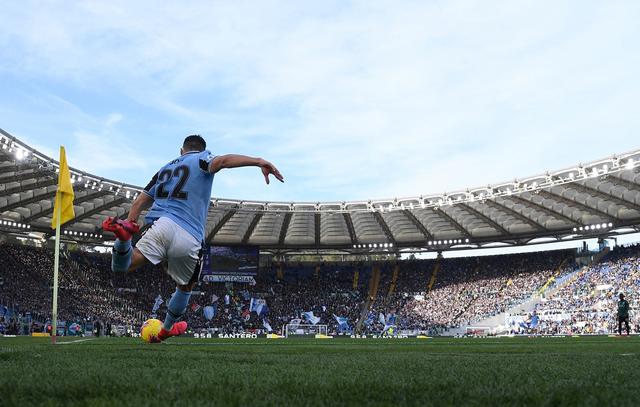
pixel 352 100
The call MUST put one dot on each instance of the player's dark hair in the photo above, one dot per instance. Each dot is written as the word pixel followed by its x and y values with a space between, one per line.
pixel 194 142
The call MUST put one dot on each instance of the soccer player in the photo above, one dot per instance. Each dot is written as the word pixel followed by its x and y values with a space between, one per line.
pixel 623 314
pixel 179 196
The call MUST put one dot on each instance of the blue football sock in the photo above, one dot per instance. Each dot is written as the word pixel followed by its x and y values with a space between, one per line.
pixel 121 256
pixel 177 306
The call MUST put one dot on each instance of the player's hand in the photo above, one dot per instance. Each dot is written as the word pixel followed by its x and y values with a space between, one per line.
pixel 270 169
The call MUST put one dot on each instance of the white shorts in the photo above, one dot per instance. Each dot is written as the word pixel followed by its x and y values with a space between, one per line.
pixel 165 240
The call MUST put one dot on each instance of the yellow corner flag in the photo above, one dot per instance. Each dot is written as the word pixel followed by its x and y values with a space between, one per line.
pixel 64 196
pixel 62 213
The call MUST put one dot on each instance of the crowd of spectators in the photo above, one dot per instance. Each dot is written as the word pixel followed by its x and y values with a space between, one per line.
pixel 420 295
pixel 587 303
pixel 468 290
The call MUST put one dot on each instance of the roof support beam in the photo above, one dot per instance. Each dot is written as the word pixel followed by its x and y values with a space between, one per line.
pixel 485 218
pixel 517 215
pixel 385 227
pixel 23 188
pixel 452 221
pixel 542 208
pixel 76 202
pixel 350 228
pixel 592 191
pixel 252 226
pixel 571 202
pixel 217 227
pixel 284 228
pixel 317 228
pixel 95 211
pixel 418 224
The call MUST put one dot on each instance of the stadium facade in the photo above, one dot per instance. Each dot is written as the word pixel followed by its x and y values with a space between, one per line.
pixel 596 199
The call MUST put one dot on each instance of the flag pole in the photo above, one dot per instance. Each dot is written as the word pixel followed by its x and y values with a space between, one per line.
pixel 56 266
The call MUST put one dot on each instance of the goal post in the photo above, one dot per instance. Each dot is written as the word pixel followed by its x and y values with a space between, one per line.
pixel 304 330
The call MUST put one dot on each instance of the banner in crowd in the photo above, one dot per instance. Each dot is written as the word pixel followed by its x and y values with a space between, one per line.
pixel 295 322
pixel 210 311
pixel 371 318
pixel 156 305
pixel 259 306
pixel 266 325
pixel 215 278
pixel 220 263
pixel 311 318
pixel 343 322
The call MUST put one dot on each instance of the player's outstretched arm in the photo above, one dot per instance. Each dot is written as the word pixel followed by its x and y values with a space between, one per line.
pixel 236 160
pixel 142 202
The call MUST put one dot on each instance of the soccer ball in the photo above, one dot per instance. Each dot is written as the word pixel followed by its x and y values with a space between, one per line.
pixel 150 330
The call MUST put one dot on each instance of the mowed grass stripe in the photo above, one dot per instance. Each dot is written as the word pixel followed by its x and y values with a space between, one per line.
pixel 188 371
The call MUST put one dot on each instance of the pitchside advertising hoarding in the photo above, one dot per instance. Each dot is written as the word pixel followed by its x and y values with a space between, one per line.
pixel 224 264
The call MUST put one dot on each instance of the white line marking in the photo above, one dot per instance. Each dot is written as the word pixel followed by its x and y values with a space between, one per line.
pixel 76 341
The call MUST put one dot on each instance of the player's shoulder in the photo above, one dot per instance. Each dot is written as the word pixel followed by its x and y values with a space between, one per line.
pixel 203 160
pixel 206 155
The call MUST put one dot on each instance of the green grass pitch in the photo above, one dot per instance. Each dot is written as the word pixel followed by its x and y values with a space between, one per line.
pixel 581 371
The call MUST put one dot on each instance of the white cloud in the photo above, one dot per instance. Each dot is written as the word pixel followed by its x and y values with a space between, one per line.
pixel 353 100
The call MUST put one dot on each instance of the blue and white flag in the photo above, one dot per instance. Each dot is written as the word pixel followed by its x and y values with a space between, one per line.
pixel 533 324
pixel 210 311
pixel 311 318
pixel 391 319
pixel 266 325
pixel 157 304
pixel 382 319
pixel 259 306
pixel 343 323
pixel 370 319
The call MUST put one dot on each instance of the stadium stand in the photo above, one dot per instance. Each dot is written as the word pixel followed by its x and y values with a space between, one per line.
pixel 587 303
pixel 465 290
pixel 595 200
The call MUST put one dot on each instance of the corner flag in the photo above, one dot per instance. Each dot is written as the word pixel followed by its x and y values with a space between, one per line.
pixel 62 213
pixel 64 196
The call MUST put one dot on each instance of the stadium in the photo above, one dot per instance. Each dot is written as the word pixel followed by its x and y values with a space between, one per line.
pixel 510 293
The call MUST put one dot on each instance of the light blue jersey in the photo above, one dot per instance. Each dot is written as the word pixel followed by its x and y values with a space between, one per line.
pixel 182 191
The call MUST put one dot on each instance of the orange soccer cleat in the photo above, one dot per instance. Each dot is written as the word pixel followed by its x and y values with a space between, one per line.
pixel 178 329
pixel 123 229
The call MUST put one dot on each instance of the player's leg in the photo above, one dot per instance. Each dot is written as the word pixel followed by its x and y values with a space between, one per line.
pixel 626 323
pixel 620 326
pixel 178 303
pixel 184 268
pixel 122 249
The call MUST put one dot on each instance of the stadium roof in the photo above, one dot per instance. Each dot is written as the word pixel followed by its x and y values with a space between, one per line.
pixel 588 200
